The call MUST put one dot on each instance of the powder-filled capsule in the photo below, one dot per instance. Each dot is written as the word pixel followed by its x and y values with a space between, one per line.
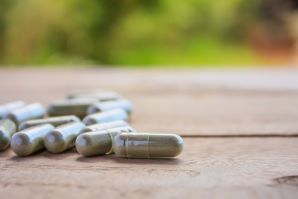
pixel 106 106
pixel 5 109
pixel 63 137
pixel 108 116
pixel 7 129
pixel 99 96
pixel 99 142
pixel 29 112
pixel 30 140
pixel 147 145
pixel 55 121
pixel 76 107
pixel 104 126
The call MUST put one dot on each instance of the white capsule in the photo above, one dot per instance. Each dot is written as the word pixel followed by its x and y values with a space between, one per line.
pixel 98 142
pixel 108 116
pixel 110 105
pixel 63 137
pixel 104 126
pixel 147 145
pixel 29 112
pixel 30 140
pixel 5 109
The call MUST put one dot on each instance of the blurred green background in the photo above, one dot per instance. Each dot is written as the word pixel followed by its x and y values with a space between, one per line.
pixel 148 33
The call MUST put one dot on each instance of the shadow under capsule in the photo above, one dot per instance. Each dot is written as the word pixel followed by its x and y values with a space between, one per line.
pixel 159 161
pixel 45 154
pixel 5 152
pixel 57 156
pixel 140 161
pixel 26 158
pixel 93 159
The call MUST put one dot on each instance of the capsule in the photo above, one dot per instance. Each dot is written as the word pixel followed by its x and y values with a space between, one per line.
pixel 108 116
pixel 99 142
pixel 30 140
pixel 55 121
pixel 5 109
pixel 76 107
pixel 104 126
pixel 80 92
pixel 106 106
pixel 147 145
pixel 29 112
pixel 63 137
pixel 99 96
pixel 7 129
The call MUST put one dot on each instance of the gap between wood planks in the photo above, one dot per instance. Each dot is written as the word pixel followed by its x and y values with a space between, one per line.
pixel 240 135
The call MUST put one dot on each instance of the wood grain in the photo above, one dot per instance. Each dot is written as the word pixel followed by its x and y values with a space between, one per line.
pixel 192 103
pixel 210 168
pixel 251 105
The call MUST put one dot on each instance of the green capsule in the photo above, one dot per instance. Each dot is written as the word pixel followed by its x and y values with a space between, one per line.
pixel 147 145
pixel 104 126
pixel 7 129
pixel 99 96
pixel 98 142
pixel 30 140
pixel 55 121
pixel 5 109
pixel 29 112
pixel 76 107
pixel 106 106
pixel 108 116
pixel 63 137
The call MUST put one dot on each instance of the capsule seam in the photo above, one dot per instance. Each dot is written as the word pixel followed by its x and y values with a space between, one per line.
pixel 125 141
pixel 148 146
pixel 111 149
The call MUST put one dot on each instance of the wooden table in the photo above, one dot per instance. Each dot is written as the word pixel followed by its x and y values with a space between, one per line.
pixel 240 130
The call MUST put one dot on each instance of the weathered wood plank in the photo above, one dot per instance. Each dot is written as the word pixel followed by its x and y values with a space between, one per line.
pixel 173 81
pixel 217 114
pixel 189 102
pixel 192 103
pixel 230 167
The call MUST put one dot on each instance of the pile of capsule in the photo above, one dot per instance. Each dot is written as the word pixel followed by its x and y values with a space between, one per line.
pixel 95 122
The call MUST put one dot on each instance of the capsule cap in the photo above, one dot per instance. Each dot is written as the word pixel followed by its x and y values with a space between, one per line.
pixel 4 140
pixel 30 140
pixel 7 129
pixel 94 143
pixel 21 145
pixel 54 142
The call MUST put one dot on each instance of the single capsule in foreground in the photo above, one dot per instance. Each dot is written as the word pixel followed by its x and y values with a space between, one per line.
pixel 7 129
pixel 5 109
pixel 55 121
pixel 147 145
pixel 30 140
pixel 76 107
pixel 110 105
pixel 108 116
pixel 29 112
pixel 98 142
pixel 104 126
pixel 63 137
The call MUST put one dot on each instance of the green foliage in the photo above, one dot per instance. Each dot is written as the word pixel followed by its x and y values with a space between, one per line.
pixel 126 32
